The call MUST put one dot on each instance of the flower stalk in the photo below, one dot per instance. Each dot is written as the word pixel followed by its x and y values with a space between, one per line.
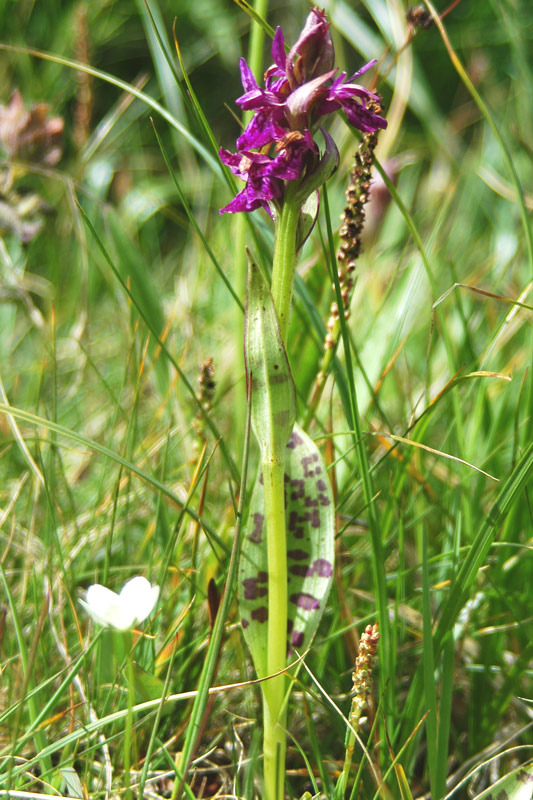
pixel 353 220
pixel 362 685
pixel 274 717
pixel 284 260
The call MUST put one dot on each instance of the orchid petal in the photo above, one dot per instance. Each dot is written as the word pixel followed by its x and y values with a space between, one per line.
pixel 278 49
pixel 248 80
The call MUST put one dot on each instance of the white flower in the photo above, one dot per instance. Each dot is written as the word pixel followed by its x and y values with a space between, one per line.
pixel 132 605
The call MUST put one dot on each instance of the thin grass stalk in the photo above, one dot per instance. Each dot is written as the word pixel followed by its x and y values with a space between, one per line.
pixel 155 726
pixel 125 87
pixel 128 733
pixel 164 348
pixel 458 595
pixel 242 223
pixel 353 219
pixel 46 709
pixel 445 712
pixel 428 661
pixel 33 419
pixel 496 131
pixel 27 661
pixel 213 650
pixel 354 422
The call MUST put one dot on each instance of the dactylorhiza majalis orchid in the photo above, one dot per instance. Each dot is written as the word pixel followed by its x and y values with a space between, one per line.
pixel 288 549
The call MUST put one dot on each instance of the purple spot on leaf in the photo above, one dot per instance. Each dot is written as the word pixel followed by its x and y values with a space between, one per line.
pixel 310 501
pixel 260 614
pixel 297 639
pixel 296 529
pixel 244 623
pixel 324 499
pixel 305 601
pixel 306 463
pixel 298 555
pixel 320 485
pixel 322 568
pixel 257 531
pixel 299 569
pixel 294 441
pixel 298 485
pixel 252 590
pixel 524 777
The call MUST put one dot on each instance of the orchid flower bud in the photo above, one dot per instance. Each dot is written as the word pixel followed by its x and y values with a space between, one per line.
pixel 312 54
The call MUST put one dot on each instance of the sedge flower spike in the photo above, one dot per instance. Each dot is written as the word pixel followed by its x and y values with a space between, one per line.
pixel 134 603
pixel 301 89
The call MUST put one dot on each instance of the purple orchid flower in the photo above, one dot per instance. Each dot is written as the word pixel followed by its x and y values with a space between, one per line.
pixel 300 90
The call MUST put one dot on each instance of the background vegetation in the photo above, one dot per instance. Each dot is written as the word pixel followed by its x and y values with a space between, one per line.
pixel 105 443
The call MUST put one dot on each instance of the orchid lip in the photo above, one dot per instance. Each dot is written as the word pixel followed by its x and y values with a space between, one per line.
pixel 299 101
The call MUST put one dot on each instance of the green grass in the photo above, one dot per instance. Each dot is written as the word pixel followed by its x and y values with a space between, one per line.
pixel 109 469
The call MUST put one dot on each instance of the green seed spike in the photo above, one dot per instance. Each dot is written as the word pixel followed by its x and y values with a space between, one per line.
pixel 273 395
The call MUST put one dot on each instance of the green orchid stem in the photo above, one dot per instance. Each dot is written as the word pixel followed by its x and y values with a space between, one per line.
pixel 284 261
pixel 273 466
pixel 274 744
pixel 274 749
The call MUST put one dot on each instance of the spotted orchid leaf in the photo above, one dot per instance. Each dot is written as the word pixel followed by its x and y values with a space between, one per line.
pixel 517 785
pixel 310 552
pixel 273 394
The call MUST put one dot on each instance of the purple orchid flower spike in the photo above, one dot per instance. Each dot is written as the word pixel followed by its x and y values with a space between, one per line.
pixel 300 90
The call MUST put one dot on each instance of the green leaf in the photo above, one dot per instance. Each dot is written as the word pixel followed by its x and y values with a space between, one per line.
pixel 310 552
pixel 134 269
pixel 326 166
pixel 147 686
pixel 308 216
pixel 517 785
pixel 403 785
pixel 72 782
pixel 273 394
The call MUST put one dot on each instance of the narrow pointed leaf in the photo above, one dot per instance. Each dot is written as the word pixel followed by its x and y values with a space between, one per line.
pixel 273 395
pixel 310 552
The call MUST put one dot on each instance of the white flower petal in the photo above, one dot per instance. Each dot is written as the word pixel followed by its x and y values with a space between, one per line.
pixel 140 597
pixel 105 607
pixel 134 604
